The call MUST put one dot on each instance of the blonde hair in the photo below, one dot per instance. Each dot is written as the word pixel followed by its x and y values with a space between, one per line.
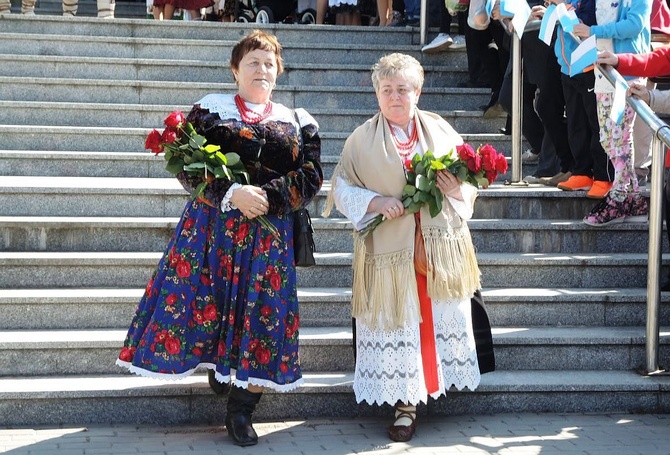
pixel 398 65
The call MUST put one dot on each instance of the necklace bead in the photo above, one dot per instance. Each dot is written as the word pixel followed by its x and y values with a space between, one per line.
pixel 249 115
pixel 405 148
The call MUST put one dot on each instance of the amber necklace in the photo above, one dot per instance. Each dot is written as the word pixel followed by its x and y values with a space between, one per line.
pixel 249 115
pixel 405 148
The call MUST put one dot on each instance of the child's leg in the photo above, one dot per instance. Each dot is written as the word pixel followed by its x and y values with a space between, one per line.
pixel 618 144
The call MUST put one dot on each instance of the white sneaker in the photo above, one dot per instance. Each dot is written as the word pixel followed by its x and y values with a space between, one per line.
pixel 458 42
pixel 529 157
pixel 439 44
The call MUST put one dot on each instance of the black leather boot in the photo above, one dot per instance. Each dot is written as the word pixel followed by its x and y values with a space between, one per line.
pixel 241 405
pixel 219 388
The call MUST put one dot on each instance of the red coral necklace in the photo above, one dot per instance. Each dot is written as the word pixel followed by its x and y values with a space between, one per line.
pixel 405 148
pixel 249 115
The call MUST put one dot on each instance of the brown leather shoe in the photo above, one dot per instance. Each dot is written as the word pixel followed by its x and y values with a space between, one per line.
pixel 403 433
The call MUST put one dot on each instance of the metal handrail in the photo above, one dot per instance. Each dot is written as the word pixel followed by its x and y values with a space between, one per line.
pixel 661 137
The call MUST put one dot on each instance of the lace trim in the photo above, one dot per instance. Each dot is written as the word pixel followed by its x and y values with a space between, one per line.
pixel 219 377
pixel 226 205
pixel 389 367
pixel 353 202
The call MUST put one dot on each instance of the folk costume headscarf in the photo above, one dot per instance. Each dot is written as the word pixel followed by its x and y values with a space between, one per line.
pixel 384 287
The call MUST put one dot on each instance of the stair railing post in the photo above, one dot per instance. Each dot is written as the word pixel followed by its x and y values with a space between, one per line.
pixel 655 252
pixel 517 95
pixel 423 22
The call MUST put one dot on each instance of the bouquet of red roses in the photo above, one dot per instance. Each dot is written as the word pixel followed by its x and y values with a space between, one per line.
pixel 185 150
pixel 478 167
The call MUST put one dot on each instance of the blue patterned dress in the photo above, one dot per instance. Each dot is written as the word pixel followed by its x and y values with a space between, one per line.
pixel 224 294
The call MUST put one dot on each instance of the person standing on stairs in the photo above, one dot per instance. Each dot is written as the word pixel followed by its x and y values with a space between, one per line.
pixel 224 295
pixel 105 8
pixel 27 7
pixel 622 26
pixel 414 332
pixel 652 64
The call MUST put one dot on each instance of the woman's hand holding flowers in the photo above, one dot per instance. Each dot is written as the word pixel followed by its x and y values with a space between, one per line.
pixel 251 200
pixel 387 207
pixel 449 185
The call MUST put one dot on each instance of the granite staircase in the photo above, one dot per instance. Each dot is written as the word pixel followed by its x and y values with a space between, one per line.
pixel 85 213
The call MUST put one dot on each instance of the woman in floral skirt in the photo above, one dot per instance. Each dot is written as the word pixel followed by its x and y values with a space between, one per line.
pixel 224 294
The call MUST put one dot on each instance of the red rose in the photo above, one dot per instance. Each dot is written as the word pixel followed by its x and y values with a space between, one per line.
pixel 275 281
pixel 171 299
pixel 289 332
pixel 169 136
pixel 266 310
pixel 196 351
pixel 188 224
pixel 183 269
pixel 501 163
pixel 230 223
pixel 491 176
pixel 153 142
pixel 221 351
pixel 257 286
pixel 263 355
pixel 488 154
pixel 408 164
pixel 161 336
pixel 283 367
pixel 198 317
pixel 210 312
pixel 173 346
pixel 175 119
pixel 296 323
pixel 204 278
pixel 253 345
pixel 270 270
pixel 245 364
pixel 465 151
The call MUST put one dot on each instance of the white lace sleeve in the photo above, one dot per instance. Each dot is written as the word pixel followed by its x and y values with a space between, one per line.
pixel 465 208
pixel 353 202
pixel 226 205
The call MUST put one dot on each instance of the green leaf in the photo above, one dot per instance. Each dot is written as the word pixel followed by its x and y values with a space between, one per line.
pixel 233 159
pixel 211 148
pixel 175 167
pixel 422 183
pixel 434 207
pixel 194 166
pixel 221 158
pixel 414 207
pixel 409 190
pixel 419 168
pixel 198 155
pixel 425 197
pixel 430 175
pixel 200 189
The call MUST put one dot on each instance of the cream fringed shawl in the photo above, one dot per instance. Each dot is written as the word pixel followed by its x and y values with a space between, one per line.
pixel 384 278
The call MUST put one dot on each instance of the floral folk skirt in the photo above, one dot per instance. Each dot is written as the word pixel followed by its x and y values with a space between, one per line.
pixel 223 297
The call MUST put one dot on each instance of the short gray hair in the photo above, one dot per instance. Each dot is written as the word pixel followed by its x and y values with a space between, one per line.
pixel 398 65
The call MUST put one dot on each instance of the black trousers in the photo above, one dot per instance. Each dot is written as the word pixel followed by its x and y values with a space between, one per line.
pixel 487 64
pixel 544 124
pixel 583 129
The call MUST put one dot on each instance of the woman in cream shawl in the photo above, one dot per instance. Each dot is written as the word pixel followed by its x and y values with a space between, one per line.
pixel 414 335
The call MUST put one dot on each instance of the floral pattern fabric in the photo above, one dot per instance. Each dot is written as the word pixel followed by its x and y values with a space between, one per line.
pixel 224 294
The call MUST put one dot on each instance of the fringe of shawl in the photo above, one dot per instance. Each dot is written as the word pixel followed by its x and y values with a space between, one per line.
pixel 384 294
pixel 453 271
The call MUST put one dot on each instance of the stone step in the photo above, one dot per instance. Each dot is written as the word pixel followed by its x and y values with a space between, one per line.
pixel 164 197
pixel 82 138
pixel 128 164
pixel 87 8
pixel 78 352
pixel 332 235
pixel 23 46
pixel 13 88
pixel 125 399
pixel 112 308
pixel 37 113
pixel 215 32
pixel 133 269
pixel 168 71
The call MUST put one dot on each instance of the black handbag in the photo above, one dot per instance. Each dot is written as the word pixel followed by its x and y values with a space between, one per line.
pixel 303 241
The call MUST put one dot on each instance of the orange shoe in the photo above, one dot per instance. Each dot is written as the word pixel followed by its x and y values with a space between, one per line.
pixel 599 189
pixel 576 183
